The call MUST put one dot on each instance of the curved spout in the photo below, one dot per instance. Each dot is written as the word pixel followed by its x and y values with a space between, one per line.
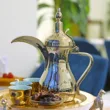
pixel 35 42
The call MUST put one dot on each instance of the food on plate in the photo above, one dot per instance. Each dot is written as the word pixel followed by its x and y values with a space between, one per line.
pixel 7 78
pixel 45 98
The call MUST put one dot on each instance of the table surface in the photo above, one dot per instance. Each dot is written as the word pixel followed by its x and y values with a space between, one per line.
pixel 3 87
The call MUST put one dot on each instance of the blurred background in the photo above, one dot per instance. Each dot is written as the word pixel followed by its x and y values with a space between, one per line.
pixel 88 19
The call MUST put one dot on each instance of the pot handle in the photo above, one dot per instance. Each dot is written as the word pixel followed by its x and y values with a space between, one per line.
pixel 83 76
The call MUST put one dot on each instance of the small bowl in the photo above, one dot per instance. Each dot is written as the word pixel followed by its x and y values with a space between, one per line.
pixel 51 103
pixel 48 100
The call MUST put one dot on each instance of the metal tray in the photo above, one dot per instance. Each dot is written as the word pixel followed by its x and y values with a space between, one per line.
pixel 85 104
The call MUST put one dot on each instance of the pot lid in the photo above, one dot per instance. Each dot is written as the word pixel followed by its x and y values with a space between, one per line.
pixel 59 38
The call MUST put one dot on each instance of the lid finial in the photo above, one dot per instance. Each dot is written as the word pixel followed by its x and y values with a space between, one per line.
pixel 58 14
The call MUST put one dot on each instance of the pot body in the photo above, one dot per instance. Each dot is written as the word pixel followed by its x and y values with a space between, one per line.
pixel 56 76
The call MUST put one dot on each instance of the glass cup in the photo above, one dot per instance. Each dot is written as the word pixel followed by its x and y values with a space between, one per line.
pixel 36 87
pixel 20 95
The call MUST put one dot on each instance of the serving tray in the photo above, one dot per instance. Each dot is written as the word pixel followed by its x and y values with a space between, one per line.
pixel 64 106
